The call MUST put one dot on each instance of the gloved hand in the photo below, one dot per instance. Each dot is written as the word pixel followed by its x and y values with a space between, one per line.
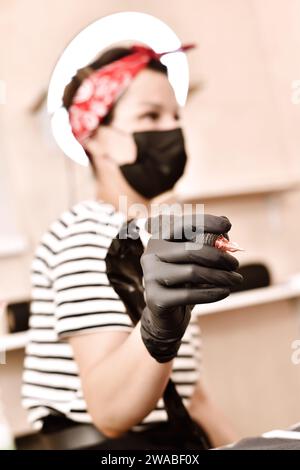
pixel 177 275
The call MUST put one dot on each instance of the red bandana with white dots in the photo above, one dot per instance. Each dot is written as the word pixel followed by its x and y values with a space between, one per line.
pixel 100 90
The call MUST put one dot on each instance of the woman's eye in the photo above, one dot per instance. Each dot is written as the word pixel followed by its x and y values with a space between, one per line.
pixel 151 115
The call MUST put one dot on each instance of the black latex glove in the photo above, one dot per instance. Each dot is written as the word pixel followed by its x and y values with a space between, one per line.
pixel 177 275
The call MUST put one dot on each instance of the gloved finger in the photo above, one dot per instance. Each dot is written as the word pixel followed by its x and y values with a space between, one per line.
pixel 175 274
pixel 187 226
pixel 216 224
pixel 189 252
pixel 188 296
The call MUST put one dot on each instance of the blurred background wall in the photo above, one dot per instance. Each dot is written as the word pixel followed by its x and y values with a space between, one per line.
pixel 242 128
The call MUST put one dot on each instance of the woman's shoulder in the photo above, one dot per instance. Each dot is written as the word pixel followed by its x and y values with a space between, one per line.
pixel 87 225
pixel 79 225
pixel 90 216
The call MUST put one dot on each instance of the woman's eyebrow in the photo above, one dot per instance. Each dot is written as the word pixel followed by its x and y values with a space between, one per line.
pixel 156 105
pixel 151 103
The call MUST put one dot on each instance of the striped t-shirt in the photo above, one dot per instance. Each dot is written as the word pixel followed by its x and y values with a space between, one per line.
pixel 71 294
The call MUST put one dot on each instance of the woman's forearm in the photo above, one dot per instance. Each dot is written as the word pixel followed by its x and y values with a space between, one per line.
pixel 205 411
pixel 125 386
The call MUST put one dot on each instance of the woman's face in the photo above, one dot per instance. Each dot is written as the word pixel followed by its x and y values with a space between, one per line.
pixel 148 104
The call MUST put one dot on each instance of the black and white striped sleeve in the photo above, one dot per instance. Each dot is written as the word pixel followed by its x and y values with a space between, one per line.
pixel 84 299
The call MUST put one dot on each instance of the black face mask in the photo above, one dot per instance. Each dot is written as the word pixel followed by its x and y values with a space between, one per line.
pixel 160 162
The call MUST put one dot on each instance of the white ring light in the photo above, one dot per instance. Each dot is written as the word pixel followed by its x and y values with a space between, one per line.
pixel 103 33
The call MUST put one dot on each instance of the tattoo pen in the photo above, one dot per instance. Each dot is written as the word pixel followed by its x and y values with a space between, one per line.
pixel 221 242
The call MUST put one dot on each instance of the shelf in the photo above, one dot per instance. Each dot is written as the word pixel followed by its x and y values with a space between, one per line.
pixel 239 300
pixel 21 297
pixel 13 341
pixel 251 298
pixel 262 188
pixel 13 246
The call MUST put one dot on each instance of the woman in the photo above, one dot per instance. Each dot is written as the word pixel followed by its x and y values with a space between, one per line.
pixel 86 361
